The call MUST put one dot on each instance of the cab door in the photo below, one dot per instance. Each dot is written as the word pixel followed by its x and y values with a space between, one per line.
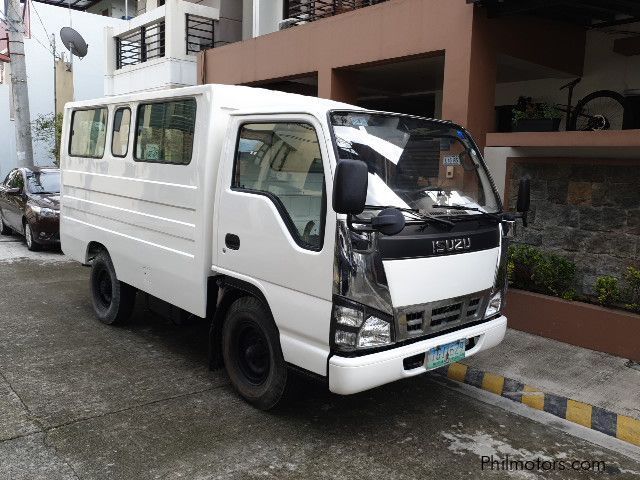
pixel 274 227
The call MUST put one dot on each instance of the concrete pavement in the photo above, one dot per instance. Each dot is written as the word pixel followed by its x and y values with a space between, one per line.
pixel 82 400
pixel 596 378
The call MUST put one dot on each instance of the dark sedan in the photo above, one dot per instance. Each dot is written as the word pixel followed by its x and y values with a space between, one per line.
pixel 30 205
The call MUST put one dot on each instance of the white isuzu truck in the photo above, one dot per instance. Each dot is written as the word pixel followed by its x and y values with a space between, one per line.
pixel 358 246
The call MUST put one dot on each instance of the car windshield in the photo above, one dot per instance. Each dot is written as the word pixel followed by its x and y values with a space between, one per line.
pixel 43 182
pixel 416 163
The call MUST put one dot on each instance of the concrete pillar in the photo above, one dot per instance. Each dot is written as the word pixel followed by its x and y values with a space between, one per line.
pixel 109 60
pixel 340 85
pixel 64 85
pixel 19 90
pixel 470 74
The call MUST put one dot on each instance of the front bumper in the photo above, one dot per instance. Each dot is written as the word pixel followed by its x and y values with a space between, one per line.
pixel 46 230
pixel 349 375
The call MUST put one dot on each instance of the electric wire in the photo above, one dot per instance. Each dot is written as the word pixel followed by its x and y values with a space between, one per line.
pixel 33 6
pixel 49 48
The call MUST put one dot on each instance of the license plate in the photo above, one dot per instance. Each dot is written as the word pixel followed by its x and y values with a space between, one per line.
pixel 445 354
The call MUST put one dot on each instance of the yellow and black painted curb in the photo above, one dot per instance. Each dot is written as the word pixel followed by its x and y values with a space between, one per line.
pixel 619 426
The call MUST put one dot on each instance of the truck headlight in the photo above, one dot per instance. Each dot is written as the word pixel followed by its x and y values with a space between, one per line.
pixel 495 303
pixel 359 327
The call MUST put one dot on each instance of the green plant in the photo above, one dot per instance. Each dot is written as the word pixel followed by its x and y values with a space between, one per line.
pixel 543 272
pixel 48 129
pixel 527 109
pixel 632 288
pixel 607 290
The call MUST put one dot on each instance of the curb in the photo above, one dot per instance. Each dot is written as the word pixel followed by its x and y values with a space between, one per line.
pixel 620 426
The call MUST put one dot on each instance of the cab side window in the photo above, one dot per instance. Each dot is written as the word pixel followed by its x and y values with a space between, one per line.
pixel 164 132
pixel 120 136
pixel 88 133
pixel 283 162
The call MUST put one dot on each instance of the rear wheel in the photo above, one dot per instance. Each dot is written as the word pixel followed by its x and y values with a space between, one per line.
pixel 252 354
pixel 28 238
pixel 4 230
pixel 113 300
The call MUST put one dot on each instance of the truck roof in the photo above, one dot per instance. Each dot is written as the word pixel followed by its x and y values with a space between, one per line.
pixel 229 97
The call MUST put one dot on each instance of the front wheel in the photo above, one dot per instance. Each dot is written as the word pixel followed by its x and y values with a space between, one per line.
pixel 252 354
pixel 113 300
pixel 28 238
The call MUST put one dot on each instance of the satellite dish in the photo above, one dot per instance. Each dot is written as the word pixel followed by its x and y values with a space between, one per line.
pixel 74 42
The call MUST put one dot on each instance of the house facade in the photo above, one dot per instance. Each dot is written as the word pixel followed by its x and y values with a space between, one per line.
pixel 470 62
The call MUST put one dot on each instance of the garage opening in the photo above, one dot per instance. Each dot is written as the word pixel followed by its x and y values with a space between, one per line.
pixel 412 86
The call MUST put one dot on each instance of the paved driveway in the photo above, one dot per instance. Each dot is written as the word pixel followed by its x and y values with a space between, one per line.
pixel 82 400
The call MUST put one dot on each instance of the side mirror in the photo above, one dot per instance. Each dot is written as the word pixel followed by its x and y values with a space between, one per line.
pixel 524 198
pixel 350 185
pixel 13 191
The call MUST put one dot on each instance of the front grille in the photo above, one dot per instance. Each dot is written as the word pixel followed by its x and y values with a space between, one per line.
pixel 414 321
pixel 473 306
pixel 446 314
pixel 428 318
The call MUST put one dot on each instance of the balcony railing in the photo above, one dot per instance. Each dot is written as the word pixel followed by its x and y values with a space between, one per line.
pixel 140 45
pixel 304 11
pixel 199 33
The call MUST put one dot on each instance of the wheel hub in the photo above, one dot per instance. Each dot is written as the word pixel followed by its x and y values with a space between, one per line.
pixel 253 354
pixel 104 288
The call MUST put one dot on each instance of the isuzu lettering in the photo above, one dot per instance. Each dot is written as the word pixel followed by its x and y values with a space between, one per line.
pixel 358 246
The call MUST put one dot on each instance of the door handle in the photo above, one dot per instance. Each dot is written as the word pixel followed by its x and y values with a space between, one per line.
pixel 232 241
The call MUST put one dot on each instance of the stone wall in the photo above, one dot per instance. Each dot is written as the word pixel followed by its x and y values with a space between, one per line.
pixel 588 211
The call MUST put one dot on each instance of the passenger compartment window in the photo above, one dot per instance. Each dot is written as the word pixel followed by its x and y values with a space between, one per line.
pixel 283 161
pixel 164 131
pixel 120 134
pixel 88 133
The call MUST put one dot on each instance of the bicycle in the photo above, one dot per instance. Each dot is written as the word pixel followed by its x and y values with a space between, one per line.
pixel 600 110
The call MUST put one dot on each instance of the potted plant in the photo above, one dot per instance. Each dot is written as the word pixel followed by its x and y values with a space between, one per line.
pixel 535 117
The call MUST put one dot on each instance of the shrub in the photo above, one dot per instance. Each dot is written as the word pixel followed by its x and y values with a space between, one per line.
pixel 526 108
pixel 632 289
pixel 542 272
pixel 607 290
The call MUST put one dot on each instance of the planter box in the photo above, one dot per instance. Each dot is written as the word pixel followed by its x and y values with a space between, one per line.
pixel 589 326
pixel 537 125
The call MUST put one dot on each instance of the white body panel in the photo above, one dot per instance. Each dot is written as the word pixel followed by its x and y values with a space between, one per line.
pixel 162 228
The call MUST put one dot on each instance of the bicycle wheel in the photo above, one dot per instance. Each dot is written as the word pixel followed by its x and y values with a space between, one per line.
pixel 601 110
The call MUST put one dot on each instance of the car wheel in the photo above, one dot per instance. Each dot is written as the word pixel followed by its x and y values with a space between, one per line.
pixel 113 300
pixel 4 229
pixel 252 354
pixel 28 238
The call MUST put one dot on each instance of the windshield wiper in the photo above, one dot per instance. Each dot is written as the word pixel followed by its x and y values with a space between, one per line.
pixel 425 217
pixel 472 209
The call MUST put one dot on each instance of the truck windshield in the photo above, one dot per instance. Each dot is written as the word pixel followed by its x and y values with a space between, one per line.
pixel 416 163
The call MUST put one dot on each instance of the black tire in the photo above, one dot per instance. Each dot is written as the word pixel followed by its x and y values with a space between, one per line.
pixel 4 229
pixel 252 354
pixel 32 245
pixel 113 300
pixel 606 103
